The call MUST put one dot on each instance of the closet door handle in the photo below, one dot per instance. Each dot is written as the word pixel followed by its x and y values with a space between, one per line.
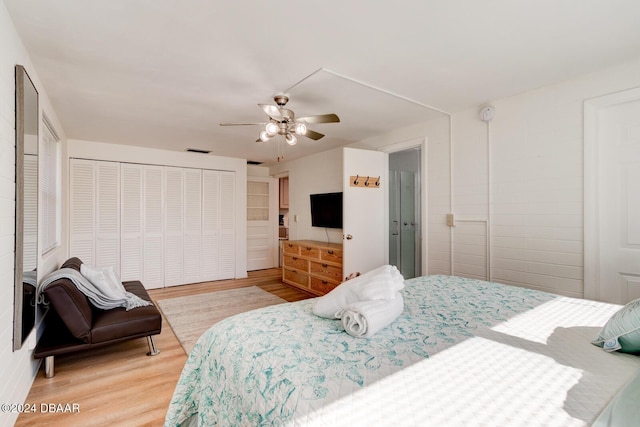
pixel 396 232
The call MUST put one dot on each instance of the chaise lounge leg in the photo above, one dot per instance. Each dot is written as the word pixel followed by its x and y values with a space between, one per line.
pixel 152 347
pixel 49 367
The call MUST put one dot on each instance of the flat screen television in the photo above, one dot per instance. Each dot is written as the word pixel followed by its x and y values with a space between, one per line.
pixel 326 210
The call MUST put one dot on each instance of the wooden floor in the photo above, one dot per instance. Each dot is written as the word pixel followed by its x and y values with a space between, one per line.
pixel 119 385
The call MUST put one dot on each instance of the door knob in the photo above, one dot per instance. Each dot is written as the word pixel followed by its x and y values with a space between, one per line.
pixel 349 237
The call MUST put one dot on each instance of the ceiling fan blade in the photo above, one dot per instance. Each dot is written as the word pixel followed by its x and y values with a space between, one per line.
pixel 272 111
pixel 313 134
pixel 322 118
pixel 242 124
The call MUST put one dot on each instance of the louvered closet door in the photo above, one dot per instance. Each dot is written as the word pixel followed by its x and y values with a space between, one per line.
pixel 107 239
pixel 82 210
pixel 131 222
pixel 227 225
pixel 210 219
pixel 153 233
pixel 174 226
pixel 192 225
pixel 30 238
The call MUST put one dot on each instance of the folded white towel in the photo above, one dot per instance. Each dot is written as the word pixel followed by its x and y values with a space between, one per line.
pixel 364 318
pixel 382 283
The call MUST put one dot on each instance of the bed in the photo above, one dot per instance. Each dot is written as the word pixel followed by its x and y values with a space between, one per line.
pixel 463 352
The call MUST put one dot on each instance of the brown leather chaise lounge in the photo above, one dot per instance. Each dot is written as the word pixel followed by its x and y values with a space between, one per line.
pixel 74 324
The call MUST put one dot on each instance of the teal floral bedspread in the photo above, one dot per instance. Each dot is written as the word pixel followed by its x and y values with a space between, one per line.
pixel 282 365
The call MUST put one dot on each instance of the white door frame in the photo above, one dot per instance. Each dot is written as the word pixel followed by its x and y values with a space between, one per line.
pixel 592 108
pixel 273 217
pixel 424 223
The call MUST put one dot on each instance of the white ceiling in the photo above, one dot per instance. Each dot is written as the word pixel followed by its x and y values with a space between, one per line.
pixel 165 73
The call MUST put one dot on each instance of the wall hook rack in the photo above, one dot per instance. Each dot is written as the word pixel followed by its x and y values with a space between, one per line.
pixel 365 181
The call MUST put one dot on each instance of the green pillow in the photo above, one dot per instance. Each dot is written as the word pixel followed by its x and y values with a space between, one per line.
pixel 622 330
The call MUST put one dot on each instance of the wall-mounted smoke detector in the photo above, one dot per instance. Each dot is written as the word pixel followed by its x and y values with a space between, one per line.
pixel 487 112
pixel 197 150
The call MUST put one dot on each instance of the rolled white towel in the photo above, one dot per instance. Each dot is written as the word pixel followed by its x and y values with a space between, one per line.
pixel 382 283
pixel 364 318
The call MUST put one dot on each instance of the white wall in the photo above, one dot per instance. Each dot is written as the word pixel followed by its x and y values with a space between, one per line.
pixel 515 185
pixel 436 251
pixel 151 156
pixel 319 173
pixel 17 369
pixel 258 171
pixel 534 182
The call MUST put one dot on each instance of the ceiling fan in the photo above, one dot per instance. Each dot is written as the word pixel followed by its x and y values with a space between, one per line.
pixel 282 121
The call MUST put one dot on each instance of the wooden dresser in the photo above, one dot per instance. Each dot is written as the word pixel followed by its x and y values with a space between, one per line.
pixel 313 266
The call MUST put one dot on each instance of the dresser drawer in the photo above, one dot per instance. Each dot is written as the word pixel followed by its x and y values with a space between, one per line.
pixel 327 271
pixel 331 255
pixel 311 265
pixel 310 251
pixel 296 277
pixel 290 248
pixel 322 286
pixel 295 262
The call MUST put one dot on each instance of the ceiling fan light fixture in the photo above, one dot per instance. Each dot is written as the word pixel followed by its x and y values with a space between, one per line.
pixel 291 139
pixel 271 129
pixel 264 136
pixel 300 128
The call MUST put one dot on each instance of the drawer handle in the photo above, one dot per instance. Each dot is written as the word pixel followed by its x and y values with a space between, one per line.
pixel 295 258
pixel 325 265
pixel 324 282
pixel 308 248
pixel 290 245
pixel 330 252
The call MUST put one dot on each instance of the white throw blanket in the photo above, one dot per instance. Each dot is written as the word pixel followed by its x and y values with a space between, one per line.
pixel 362 319
pixel 103 294
pixel 382 283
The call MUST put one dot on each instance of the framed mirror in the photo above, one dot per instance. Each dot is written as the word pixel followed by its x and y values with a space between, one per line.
pixel 26 230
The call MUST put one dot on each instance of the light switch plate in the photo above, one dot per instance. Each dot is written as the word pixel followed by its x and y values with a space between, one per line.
pixel 450 220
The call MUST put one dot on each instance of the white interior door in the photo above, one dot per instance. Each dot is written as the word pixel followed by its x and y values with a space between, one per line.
pixel 262 214
pixel 619 202
pixel 192 225
pixel 174 226
pixel 82 212
pixel 227 257
pixel 131 261
pixel 30 239
pixel 210 224
pixel 108 215
pixel 363 211
pixel 153 227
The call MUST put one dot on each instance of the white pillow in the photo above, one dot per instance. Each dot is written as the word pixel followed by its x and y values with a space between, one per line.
pixel 622 330
pixel 105 280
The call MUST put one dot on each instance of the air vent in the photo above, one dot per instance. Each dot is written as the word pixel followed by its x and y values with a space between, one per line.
pixel 253 162
pixel 197 150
